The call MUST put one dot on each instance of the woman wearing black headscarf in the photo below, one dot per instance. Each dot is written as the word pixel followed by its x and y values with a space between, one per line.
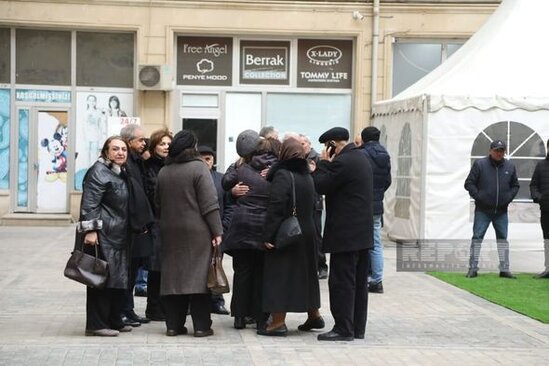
pixel 190 225
pixel 290 274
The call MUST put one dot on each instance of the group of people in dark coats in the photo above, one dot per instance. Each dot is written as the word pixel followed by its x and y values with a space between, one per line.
pixel 194 209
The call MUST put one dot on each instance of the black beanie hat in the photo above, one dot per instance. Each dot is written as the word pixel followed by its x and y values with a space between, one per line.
pixel 181 141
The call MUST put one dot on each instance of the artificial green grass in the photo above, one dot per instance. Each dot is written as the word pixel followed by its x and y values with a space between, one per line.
pixel 525 295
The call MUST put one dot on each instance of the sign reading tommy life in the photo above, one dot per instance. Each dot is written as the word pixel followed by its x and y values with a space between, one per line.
pixel 324 63
pixel 264 62
pixel 204 60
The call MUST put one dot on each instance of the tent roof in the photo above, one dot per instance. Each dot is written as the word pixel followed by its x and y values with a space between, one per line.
pixel 505 64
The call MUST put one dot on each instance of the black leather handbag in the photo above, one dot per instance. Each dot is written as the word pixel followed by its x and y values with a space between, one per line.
pixel 87 269
pixel 289 231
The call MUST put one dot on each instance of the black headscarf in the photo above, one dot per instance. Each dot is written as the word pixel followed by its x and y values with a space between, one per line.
pixel 182 140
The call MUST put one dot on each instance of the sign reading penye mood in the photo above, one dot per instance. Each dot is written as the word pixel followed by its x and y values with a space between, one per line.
pixel 264 62
pixel 324 63
pixel 204 60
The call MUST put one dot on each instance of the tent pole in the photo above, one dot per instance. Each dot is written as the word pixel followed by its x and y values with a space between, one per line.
pixel 424 152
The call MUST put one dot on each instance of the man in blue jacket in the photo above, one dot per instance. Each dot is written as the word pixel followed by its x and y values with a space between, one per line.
pixel 492 183
pixel 380 162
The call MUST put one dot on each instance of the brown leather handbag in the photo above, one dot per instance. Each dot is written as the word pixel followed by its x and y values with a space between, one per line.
pixel 87 269
pixel 217 280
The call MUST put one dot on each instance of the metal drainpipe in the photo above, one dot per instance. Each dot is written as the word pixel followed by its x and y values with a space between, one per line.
pixel 375 40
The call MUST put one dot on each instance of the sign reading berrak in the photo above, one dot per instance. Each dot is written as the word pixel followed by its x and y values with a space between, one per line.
pixel 264 62
pixel 204 60
pixel 324 63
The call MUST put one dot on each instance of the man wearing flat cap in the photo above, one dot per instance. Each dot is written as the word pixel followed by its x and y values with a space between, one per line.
pixel 344 176
pixel 493 184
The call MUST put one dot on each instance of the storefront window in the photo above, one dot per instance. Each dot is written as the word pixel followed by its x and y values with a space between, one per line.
pixel 4 55
pixel 43 57
pixel 4 138
pixel 104 59
pixel 308 114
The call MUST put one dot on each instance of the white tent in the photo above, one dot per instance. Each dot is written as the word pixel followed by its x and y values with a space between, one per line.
pixel 496 86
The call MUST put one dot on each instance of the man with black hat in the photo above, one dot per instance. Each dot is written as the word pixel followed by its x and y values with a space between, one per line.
pixel 380 162
pixel 344 176
pixel 492 183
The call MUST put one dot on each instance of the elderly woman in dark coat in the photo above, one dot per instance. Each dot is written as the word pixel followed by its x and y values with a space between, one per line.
pixel 244 240
pixel 189 225
pixel 104 222
pixel 290 274
pixel 158 149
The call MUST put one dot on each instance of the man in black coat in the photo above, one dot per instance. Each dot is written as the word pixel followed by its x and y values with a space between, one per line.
pixel 141 246
pixel 344 176
pixel 539 190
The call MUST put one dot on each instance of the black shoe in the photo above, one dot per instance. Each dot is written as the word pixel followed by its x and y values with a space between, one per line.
pixel 359 335
pixel 280 331
pixel 333 336
pixel 375 288
pixel 239 322
pixel 130 322
pixel 471 273
pixel 203 333
pixel 176 332
pixel 249 320
pixel 133 316
pixel 507 274
pixel 309 324
pixel 544 274
pixel 322 273
pixel 219 309
pixel 140 292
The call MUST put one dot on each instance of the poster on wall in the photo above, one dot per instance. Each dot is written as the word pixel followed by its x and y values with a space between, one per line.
pixel 4 138
pixel 94 112
pixel 204 60
pixel 324 63
pixel 52 161
pixel 264 62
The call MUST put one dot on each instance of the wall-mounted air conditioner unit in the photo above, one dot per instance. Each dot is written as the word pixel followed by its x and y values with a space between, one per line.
pixel 154 77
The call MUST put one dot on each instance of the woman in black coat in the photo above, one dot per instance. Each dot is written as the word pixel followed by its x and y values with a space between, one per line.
pixel 104 222
pixel 244 240
pixel 159 147
pixel 290 274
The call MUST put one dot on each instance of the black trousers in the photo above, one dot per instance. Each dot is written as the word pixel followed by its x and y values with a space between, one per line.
pixel 135 263
pixel 247 283
pixel 154 305
pixel 349 291
pixel 317 218
pixel 545 228
pixel 103 307
pixel 176 306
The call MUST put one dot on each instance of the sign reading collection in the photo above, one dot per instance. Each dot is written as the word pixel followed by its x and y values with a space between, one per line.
pixel 320 63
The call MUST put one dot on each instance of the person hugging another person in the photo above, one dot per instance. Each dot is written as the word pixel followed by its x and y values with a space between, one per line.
pixel 290 282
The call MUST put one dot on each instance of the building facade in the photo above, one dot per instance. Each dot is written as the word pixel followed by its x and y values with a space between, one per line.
pixel 73 72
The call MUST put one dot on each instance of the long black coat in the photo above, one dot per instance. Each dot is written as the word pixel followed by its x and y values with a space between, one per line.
pixel 248 217
pixel 152 168
pixel 539 186
pixel 347 184
pixel 105 198
pixel 291 274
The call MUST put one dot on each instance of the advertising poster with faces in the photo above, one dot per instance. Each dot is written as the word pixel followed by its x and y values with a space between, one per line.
pixel 98 116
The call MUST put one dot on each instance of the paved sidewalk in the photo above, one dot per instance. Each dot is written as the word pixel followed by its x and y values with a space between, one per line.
pixel 418 321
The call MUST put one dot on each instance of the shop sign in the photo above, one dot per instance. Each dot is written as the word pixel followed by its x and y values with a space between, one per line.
pixel 204 60
pixel 324 63
pixel 264 62
pixel 42 96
